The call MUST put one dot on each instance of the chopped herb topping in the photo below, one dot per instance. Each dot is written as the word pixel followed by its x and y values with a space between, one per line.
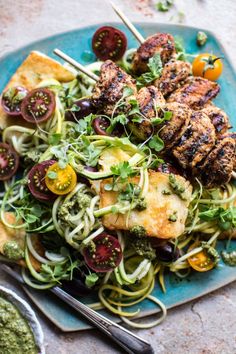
pixel 165 5
pixel 177 187
pixel 201 38
pixel 229 258
pixel 173 217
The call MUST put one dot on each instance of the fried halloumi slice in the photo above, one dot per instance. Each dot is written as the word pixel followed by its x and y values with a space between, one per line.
pixel 35 68
pixel 161 207
pixel 10 234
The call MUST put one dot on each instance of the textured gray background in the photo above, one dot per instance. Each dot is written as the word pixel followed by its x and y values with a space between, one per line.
pixel 204 326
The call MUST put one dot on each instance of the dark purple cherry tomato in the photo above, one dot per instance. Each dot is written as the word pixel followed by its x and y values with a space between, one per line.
pixel 38 105
pixel 12 99
pixel 83 108
pixel 36 181
pixel 109 43
pixel 9 161
pixel 104 254
pixel 166 251
pixel 100 125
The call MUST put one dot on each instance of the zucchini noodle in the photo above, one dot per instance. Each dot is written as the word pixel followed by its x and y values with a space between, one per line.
pixel 77 224
pixel 70 223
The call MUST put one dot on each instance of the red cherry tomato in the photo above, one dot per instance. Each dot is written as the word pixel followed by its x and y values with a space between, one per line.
pixel 36 181
pixel 12 99
pixel 109 43
pixel 9 161
pixel 38 105
pixel 104 253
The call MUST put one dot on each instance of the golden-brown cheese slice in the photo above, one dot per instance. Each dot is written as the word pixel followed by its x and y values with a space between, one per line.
pixel 9 234
pixel 35 68
pixel 159 208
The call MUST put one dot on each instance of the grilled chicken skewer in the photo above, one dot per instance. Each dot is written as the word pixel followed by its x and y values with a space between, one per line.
pixel 189 137
pixel 175 79
pixel 174 71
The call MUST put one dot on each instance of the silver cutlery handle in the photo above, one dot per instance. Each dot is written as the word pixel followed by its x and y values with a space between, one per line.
pixel 126 339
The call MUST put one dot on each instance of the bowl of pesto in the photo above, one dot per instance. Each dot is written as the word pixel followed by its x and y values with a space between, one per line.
pixel 20 331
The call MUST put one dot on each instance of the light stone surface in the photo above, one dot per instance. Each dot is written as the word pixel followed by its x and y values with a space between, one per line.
pixel 206 325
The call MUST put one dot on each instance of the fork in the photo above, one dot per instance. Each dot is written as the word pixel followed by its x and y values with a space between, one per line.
pixel 123 337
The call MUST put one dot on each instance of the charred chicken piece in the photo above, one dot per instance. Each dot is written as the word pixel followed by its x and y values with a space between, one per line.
pixel 196 92
pixel 173 129
pixel 218 117
pixel 174 73
pixel 218 165
pixel 150 99
pixel 197 141
pixel 110 86
pixel 162 43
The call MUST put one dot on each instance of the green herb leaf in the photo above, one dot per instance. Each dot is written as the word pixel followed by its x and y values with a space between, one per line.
pixel 91 280
pixel 226 218
pixel 128 91
pixel 157 120
pixel 156 143
pixel 155 66
pixel 54 139
pixel 122 170
pixel 165 5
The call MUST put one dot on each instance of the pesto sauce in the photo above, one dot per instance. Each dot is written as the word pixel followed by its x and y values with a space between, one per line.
pixel 12 250
pixel 15 333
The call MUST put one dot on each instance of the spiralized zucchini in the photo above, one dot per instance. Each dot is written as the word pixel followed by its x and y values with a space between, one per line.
pixel 77 217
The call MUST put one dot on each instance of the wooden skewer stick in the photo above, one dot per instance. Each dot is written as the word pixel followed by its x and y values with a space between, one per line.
pixel 128 23
pixel 76 65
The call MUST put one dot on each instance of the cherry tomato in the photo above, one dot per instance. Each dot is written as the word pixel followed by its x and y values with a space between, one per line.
pixel 100 125
pixel 38 105
pixel 85 108
pixel 9 161
pixel 60 180
pixel 36 181
pixel 208 66
pixel 12 99
pixel 109 43
pixel 104 254
pixel 201 261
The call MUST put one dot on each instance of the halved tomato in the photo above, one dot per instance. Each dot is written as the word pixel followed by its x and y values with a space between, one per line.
pixel 9 161
pixel 201 261
pixel 103 254
pixel 60 180
pixel 109 43
pixel 36 181
pixel 38 105
pixel 12 99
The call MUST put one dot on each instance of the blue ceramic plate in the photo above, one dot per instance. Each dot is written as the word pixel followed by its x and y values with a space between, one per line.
pixel 77 44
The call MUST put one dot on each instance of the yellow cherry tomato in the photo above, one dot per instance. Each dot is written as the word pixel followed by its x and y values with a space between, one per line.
pixel 200 261
pixel 208 66
pixel 60 180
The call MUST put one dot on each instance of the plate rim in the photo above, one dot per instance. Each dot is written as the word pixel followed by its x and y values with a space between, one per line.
pixel 136 23
pixel 142 25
